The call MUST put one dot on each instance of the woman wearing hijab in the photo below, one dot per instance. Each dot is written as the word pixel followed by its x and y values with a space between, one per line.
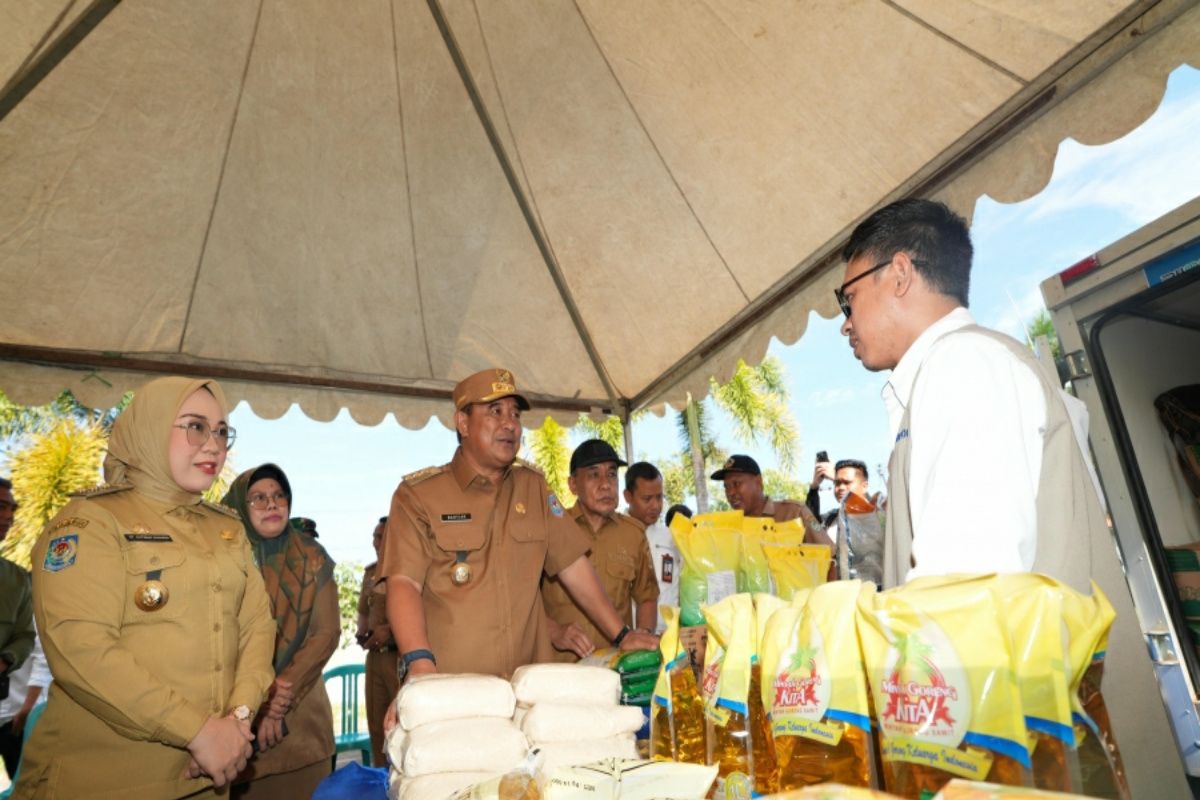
pixel 155 623
pixel 295 727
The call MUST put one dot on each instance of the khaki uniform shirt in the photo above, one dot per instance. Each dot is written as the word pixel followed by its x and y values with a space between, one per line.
pixel 508 534
pixel 621 556
pixel 372 601
pixel 133 687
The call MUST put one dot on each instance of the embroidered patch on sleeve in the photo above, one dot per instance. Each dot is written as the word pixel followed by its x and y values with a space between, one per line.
pixel 555 507
pixel 61 552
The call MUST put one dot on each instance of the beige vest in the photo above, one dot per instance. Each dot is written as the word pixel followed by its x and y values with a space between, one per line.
pixel 1068 511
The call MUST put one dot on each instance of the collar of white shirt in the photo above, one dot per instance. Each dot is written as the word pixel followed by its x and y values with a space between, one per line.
pixel 898 390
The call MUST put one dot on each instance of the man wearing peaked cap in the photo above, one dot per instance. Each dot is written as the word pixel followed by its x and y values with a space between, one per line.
pixel 744 491
pixel 619 552
pixel 467 543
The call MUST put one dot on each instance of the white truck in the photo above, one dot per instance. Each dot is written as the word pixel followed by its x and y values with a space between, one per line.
pixel 1128 319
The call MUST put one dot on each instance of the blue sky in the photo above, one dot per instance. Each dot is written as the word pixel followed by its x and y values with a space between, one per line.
pixel 343 474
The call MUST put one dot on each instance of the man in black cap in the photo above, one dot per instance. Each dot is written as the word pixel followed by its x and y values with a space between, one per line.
pixel 744 491
pixel 619 552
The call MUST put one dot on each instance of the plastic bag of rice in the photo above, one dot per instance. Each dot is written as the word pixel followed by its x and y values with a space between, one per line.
pixel 483 744
pixel 438 786
pixel 566 683
pixel 559 722
pixel 572 754
pixel 439 697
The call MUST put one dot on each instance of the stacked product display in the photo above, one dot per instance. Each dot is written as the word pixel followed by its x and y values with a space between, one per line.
pixel 571 714
pixel 454 731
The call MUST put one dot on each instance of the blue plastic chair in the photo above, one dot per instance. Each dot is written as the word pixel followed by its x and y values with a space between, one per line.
pixel 34 715
pixel 350 737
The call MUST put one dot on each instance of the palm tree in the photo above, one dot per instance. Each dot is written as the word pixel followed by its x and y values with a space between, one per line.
pixel 549 450
pixel 1042 325
pixel 55 462
pixel 756 400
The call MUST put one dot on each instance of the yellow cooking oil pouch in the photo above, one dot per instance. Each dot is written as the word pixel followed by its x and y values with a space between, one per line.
pixel 796 566
pixel 677 729
pixel 1032 611
pixel 939 669
pixel 1088 621
pixel 816 692
pixel 753 573
pixel 709 545
pixel 731 749
pixel 767 779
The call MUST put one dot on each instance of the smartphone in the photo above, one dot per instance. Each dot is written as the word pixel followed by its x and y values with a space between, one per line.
pixel 822 456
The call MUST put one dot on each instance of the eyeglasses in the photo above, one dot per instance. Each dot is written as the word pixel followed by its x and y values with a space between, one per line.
pixel 199 432
pixel 260 501
pixel 840 292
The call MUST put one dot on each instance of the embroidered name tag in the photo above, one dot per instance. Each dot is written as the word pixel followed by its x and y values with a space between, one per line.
pixel 148 537
pixel 462 517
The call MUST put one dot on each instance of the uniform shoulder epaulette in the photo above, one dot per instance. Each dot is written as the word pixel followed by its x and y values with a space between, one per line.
pixel 414 478
pixel 520 462
pixel 220 509
pixel 102 489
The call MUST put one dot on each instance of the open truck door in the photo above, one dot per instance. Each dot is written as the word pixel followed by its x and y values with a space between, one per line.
pixel 1128 319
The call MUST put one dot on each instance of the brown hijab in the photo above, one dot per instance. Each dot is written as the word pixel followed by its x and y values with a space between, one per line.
pixel 138 448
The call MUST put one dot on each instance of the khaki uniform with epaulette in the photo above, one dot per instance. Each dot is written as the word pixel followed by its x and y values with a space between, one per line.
pixel 621 556
pixel 507 535
pixel 153 618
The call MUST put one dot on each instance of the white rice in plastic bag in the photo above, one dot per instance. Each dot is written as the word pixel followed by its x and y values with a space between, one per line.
pixel 439 697
pixel 393 745
pixel 572 754
pixel 559 722
pixel 439 786
pixel 483 744
pixel 629 780
pixel 566 683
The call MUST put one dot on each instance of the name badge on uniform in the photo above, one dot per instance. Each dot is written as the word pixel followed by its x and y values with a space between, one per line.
pixel 148 537
pixel 460 517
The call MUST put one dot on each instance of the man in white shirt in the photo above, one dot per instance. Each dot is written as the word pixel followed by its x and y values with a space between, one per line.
pixel 644 497
pixel 968 411
pixel 26 688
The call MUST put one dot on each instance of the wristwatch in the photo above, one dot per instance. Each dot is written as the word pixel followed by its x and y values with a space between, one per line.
pixel 242 713
pixel 408 658
pixel 620 637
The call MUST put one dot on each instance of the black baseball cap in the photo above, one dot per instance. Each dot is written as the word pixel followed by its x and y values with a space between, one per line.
pixel 594 451
pixel 744 464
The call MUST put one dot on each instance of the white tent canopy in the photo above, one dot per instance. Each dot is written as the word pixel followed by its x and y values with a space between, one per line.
pixel 353 205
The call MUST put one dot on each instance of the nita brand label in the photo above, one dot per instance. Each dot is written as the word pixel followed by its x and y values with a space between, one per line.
pixel 803 688
pixel 926 708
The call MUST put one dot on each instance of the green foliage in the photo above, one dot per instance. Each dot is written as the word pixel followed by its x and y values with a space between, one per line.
pixel 778 486
pixel 610 430
pixel 348 577
pixel 54 463
pixel 17 420
pixel 756 399
pixel 1042 325
pixel 548 449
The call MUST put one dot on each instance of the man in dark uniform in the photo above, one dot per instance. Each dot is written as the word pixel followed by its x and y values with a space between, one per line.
pixel 467 543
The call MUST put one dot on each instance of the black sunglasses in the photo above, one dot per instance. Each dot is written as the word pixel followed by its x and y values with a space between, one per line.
pixel 840 292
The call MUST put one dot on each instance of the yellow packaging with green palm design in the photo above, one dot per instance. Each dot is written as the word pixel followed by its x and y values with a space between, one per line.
pixel 1032 608
pixel 710 547
pixel 1088 621
pixel 731 633
pixel 815 690
pixel 939 668
pixel 677 729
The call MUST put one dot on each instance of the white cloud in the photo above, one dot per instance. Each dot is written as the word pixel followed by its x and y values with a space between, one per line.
pixel 826 398
pixel 1146 173
pixel 1017 311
